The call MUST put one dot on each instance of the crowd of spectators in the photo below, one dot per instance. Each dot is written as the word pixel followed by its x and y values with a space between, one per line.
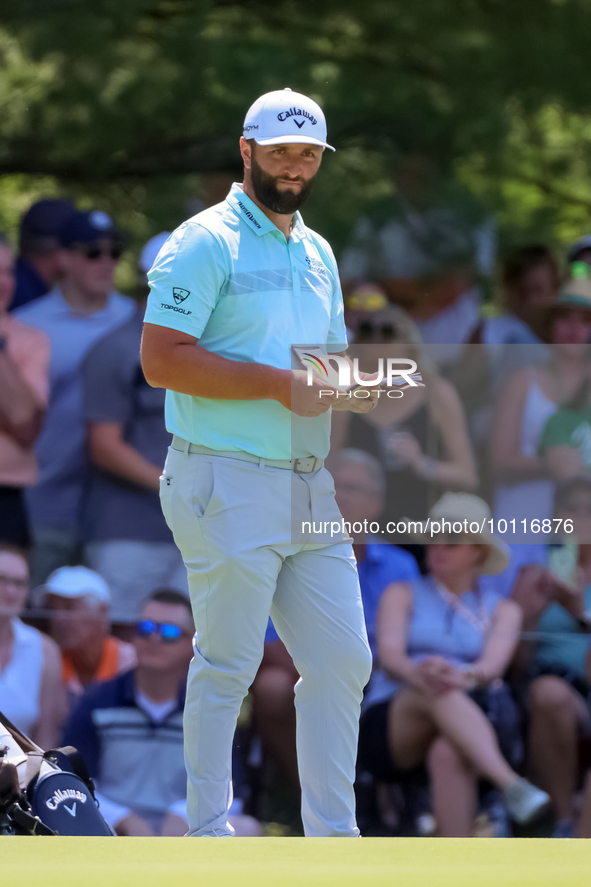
pixel 482 670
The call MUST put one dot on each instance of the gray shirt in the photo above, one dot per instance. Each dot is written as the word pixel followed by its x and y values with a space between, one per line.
pixel 55 500
pixel 115 390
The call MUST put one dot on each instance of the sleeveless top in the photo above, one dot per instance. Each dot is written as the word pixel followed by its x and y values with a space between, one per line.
pixel 532 498
pixel 406 494
pixel 20 682
pixel 537 410
pixel 437 628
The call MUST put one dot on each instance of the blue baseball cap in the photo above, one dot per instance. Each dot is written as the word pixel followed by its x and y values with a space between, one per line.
pixel 46 218
pixel 86 227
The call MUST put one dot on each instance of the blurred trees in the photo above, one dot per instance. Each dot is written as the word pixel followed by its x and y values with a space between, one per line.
pixel 119 101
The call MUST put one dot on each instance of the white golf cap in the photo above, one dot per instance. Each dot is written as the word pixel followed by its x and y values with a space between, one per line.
pixel 151 250
pixel 283 116
pixel 71 582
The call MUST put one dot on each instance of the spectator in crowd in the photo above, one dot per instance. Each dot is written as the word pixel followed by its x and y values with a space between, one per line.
pixel 40 261
pixel 24 359
pixel 31 691
pixel 273 705
pixel 554 599
pixel 584 825
pixel 126 537
pixel 361 304
pixel 74 316
pixel 130 729
pixel 566 439
pixel 420 440
pixel 531 281
pixel 443 646
pixel 79 602
pixel 520 437
pixel 359 485
pixel 421 246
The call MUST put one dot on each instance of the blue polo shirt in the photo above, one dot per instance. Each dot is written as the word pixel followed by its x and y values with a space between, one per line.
pixel 230 278
pixel 383 564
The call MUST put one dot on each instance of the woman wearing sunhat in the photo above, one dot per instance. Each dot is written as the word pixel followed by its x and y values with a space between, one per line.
pixel 566 439
pixel 443 642
pixel 531 396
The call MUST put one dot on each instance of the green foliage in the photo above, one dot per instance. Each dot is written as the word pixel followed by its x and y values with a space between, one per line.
pixel 122 103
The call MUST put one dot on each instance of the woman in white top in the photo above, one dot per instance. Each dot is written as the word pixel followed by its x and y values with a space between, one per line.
pixel 31 691
pixel 524 490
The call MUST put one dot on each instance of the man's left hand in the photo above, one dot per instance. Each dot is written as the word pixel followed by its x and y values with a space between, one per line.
pixel 354 404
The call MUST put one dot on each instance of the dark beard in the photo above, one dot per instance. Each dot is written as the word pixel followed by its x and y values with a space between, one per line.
pixel 267 193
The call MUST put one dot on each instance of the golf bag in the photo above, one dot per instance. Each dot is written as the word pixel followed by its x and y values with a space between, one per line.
pixel 45 793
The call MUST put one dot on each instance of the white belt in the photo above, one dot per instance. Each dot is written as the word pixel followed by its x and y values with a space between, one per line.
pixel 303 465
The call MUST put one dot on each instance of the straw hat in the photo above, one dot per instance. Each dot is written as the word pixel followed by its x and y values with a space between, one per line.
pixel 458 508
pixel 574 295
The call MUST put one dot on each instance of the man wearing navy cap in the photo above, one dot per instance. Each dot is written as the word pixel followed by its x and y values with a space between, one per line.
pixel 74 316
pixel 39 265
pixel 231 290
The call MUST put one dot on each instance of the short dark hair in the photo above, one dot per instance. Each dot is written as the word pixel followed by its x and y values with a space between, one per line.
pixel 252 144
pixel 522 260
pixel 11 548
pixel 168 596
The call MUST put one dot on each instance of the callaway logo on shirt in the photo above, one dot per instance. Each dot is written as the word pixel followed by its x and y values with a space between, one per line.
pixel 316 265
pixel 248 213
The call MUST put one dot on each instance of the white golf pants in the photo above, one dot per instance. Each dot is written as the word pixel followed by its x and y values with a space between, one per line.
pixel 232 521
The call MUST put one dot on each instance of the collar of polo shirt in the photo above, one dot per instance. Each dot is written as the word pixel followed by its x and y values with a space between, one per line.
pixel 256 219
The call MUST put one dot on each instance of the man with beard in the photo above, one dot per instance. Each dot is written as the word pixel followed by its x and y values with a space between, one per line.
pixel 231 291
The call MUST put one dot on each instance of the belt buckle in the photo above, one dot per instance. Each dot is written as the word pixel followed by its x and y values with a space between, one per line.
pixel 305 464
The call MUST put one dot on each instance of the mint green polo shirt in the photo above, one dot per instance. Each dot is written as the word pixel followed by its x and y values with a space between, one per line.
pixel 230 278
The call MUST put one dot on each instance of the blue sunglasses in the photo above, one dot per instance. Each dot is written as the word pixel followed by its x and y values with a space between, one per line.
pixel 169 634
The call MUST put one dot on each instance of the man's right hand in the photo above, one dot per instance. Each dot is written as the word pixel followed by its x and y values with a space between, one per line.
pixel 308 400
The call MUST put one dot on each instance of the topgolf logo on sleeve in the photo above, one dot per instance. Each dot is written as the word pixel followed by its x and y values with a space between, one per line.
pixel 179 294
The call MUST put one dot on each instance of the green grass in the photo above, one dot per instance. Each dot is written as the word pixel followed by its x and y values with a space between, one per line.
pixel 286 862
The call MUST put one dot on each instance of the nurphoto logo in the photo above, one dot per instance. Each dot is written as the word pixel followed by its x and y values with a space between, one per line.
pixel 393 375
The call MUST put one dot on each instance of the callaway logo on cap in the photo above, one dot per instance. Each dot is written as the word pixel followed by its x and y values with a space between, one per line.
pixel 283 116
